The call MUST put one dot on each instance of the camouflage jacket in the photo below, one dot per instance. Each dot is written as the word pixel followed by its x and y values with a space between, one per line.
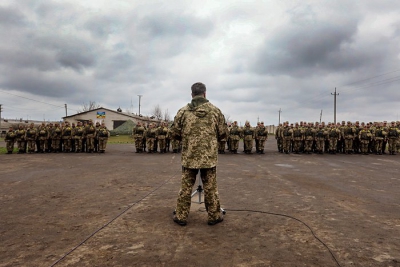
pixel 199 125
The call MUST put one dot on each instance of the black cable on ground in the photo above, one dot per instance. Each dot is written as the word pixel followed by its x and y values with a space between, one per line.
pixel 288 216
pixel 113 219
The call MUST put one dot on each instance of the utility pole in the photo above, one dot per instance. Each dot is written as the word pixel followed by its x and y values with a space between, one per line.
pixel 140 97
pixel 320 116
pixel 334 105
pixel 0 119
pixel 279 116
pixel 66 114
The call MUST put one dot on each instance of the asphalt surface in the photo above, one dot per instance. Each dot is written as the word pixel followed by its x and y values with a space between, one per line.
pixel 115 209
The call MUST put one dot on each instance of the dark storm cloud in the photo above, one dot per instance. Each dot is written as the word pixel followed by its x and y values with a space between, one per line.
pixel 320 47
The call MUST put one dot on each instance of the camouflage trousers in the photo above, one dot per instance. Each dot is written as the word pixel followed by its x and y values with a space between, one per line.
pixel 348 145
pixel 42 144
pixel 297 145
pixel 279 144
pixel 90 142
pixel 234 144
pixel 10 145
pixel 378 145
pixel 175 144
pixel 162 144
pixel 56 144
pixel 248 144
pixel 333 144
pixel 150 144
pixel 320 144
pixel 392 144
pixel 211 197
pixel 21 145
pixel 364 146
pixel 221 145
pixel 261 144
pixel 286 144
pixel 103 143
pixel 67 143
pixel 138 143
pixel 31 145
pixel 78 143
pixel 308 145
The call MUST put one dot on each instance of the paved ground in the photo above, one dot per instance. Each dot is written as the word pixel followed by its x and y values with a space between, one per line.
pixel 51 203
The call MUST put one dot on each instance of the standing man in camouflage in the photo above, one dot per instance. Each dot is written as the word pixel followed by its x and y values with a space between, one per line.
pixel 138 135
pixel 90 133
pixel 150 137
pixel 393 135
pixel 43 135
pixel 278 137
pixel 66 137
pixel 234 137
pixel 10 140
pixel 287 136
pixel 31 134
pixel 78 135
pixel 199 125
pixel 248 136
pixel 162 132
pixel 103 135
pixel 261 137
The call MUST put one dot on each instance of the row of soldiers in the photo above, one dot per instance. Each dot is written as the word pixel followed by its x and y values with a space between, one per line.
pixel 158 138
pixel 344 138
pixel 154 137
pixel 64 137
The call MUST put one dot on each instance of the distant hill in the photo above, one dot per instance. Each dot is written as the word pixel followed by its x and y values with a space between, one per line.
pixel 124 129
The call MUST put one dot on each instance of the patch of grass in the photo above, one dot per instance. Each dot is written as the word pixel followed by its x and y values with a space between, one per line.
pixel 3 150
pixel 121 139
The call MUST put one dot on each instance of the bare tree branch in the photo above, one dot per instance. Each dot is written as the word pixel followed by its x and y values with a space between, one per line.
pixel 157 113
pixel 89 106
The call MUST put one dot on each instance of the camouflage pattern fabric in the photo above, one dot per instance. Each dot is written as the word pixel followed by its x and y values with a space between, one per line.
pixel 211 197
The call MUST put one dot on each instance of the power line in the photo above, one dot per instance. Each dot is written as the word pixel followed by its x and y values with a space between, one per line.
pixel 29 98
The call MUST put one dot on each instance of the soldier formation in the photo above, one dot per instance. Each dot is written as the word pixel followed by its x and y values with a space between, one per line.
pixel 49 138
pixel 302 137
pixel 347 138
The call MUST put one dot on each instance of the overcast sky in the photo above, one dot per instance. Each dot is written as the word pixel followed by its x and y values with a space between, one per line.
pixel 255 57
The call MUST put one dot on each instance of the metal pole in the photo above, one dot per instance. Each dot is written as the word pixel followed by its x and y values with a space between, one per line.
pixel 66 114
pixel 334 105
pixel 279 116
pixel 0 119
pixel 140 96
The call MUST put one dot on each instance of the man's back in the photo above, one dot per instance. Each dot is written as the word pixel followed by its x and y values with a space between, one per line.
pixel 199 125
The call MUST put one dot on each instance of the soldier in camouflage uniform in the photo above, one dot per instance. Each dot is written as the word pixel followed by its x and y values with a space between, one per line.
pixel 150 138
pixel 320 137
pixel 199 125
pixel 30 136
pixel 378 135
pixel 393 135
pixel 162 132
pixel 90 133
pixel 138 135
pixel 234 136
pixel 222 143
pixel 248 136
pixel 262 136
pixel 348 133
pixel 66 137
pixel 56 137
pixel 334 137
pixel 309 136
pixel 298 138
pixel 102 136
pixel 365 137
pixel 20 138
pixel 43 135
pixel 10 140
pixel 287 135
pixel 278 137
pixel 78 135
